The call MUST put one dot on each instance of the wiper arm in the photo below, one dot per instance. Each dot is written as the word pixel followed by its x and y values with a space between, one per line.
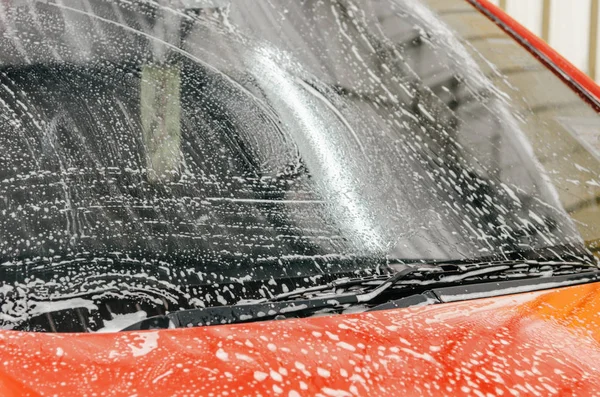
pixel 384 281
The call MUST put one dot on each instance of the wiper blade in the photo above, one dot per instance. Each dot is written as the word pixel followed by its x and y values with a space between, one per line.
pixel 277 307
pixel 313 300
pixel 435 273
pixel 271 309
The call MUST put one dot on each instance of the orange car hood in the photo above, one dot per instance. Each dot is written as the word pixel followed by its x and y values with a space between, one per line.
pixel 539 343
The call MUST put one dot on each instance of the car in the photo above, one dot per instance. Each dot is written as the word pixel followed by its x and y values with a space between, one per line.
pixel 317 197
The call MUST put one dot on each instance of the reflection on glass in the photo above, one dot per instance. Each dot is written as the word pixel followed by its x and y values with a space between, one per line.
pixel 161 124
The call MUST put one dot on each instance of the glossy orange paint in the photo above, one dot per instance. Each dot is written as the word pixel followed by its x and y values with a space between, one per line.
pixel 540 343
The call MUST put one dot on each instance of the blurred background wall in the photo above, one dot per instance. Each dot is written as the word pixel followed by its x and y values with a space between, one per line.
pixel 569 26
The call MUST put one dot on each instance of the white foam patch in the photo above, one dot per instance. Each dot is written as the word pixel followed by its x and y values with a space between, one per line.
pixel 149 342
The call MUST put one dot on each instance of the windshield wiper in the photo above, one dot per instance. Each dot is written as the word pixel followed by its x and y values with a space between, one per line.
pixel 411 280
pixel 273 308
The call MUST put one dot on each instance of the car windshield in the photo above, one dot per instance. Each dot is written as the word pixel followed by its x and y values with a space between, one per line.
pixel 151 151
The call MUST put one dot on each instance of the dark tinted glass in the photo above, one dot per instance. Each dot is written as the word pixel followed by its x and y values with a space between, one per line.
pixel 151 152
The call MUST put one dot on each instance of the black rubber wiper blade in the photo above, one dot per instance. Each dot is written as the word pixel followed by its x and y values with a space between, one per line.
pixel 312 300
pixel 278 307
pixel 271 309
pixel 450 270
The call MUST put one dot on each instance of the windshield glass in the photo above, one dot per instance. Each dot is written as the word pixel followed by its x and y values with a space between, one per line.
pixel 154 150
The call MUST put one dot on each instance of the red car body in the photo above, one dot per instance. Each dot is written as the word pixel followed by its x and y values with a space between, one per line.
pixel 537 343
